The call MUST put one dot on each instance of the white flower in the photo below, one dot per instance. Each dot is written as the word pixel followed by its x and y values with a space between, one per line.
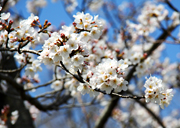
pixel 72 42
pixel 64 51
pixel 77 60
pixel 20 57
pixel 95 33
pixel 5 16
pixel 57 85
pixel 85 36
pixel 114 81
pixel 87 18
pixel 78 20
pixel 122 85
pixel 57 58
pixel 68 31
pixel 29 71
pixel 36 65
pixel 122 65
pixel 83 88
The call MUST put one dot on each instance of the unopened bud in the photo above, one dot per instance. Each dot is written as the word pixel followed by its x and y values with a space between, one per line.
pixel 45 22
pixel 74 23
pixel 62 35
pixel 49 24
pixel 40 26
pixel 10 22
pixel 145 55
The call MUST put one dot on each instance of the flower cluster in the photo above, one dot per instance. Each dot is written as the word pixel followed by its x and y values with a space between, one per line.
pixel 93 28
pixel 32 68
pixel 109 76
pixel 169 72
pixel 150 18
pixel 95 5
pixel 143 67
pixel 172 120
pixel 133 56
pixel 157 93
pixel 4 116
pixel 34 5
pixel 69 45
pixel 70 5
pixel 139 116
pixel 25 31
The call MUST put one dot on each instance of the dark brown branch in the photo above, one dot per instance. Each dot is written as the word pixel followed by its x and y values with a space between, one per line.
pixel 13 70
pixel 171 6
pixel 21 50
pixel 106 113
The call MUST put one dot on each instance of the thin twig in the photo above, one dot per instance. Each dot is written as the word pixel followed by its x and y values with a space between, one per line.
pixel 46 84
pixel 46 93
pixel 129 97
pixel 78 105
pixel 43 85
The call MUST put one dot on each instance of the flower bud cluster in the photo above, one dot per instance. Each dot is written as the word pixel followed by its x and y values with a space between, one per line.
pixel 157 93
